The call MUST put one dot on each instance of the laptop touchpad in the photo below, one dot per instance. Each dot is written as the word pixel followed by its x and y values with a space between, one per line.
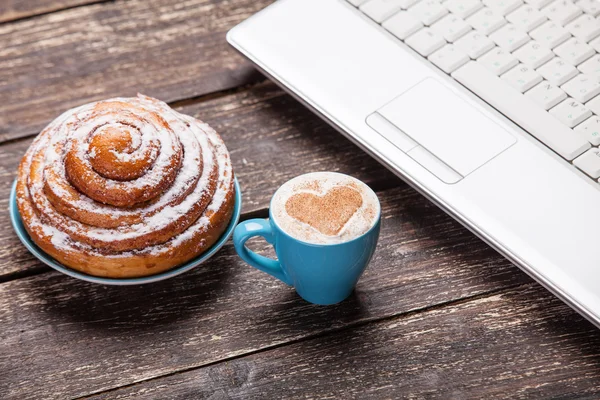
pixel 445 125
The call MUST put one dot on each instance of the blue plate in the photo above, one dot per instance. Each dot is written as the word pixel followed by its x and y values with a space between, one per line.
pixel 46 259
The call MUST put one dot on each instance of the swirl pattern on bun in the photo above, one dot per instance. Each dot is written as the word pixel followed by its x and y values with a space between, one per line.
pixel 125 187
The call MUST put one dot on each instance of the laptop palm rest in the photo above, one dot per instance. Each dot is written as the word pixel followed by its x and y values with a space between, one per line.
pixel 450 142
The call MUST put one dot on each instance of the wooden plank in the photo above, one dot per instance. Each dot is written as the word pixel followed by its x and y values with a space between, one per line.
pixel 522 344
pixel 165 49
pixel 15 9
pixel 271 139
pixel 65 338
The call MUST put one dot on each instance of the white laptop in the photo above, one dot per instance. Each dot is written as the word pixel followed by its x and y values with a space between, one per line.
pixel 490 108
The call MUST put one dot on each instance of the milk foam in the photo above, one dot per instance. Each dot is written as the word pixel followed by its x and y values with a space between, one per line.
pixel 319 184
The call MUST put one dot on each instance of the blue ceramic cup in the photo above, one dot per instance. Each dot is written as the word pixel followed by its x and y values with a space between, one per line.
pixel 321 273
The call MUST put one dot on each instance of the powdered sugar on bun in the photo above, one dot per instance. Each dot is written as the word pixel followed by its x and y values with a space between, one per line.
pixel 125 187
pixel 325 208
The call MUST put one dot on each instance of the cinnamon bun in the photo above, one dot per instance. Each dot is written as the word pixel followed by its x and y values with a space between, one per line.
pixel 125 187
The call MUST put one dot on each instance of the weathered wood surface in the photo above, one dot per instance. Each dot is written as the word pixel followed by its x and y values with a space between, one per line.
pixel 74 338
pixel 519 344
pixel 165 49
pixel 264 129
pixel 437 315
pixel 15 9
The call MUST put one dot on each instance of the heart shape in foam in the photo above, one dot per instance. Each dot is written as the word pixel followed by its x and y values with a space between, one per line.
pixel 329 213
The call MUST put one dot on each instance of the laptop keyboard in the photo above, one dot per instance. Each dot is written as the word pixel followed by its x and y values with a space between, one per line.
pixel 535 61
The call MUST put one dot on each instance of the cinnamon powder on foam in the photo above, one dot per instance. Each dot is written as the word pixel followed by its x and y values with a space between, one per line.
pixel 329 213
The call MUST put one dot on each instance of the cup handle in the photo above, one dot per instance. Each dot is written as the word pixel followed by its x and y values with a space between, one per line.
pixel 258 227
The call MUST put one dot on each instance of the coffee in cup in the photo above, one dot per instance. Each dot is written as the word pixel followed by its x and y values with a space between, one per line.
pixel 325 208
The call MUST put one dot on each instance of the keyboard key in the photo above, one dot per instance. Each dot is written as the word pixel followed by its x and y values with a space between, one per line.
pixel 503 6
pixel 582 88
pixel 590 130
pixel 449 58
pixel 406 4
pixel 585 27
pixel 591 66
pixel 379 10
pixel 474 44
pixel 425 41
pixel 428 11
pixel 596 44
pixel 550 34
pixel 574 51
pixel 521 109
pixel 402 24
pixel 589 162
pixel 562 11
pixel 591 7
pixel 571 112
pixel 538 4
pixel 509 37
pixel 486 20
pixel 463 8
pixel 594 105
pixel 522 77
pixel 498 61
pixel 356 3
pixel 526 18
pixel 534 54
pixel 451 27
pixel 546 95
pixel 557 71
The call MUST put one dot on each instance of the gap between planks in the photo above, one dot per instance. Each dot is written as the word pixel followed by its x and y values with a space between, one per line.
pixel 217 94
pixel 399 317
pixel 173 104
pixel 51 11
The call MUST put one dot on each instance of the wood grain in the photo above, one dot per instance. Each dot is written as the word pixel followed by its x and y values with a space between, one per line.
pixel 165 49
pixel 521 344
pixel 271 139
pixel 15 9
pixel 438 314
pixel 76 338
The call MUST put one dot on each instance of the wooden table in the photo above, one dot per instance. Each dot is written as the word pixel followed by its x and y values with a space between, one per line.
pixel 437 314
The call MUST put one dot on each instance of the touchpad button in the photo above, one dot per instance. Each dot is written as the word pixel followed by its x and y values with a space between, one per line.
pixel 447 126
